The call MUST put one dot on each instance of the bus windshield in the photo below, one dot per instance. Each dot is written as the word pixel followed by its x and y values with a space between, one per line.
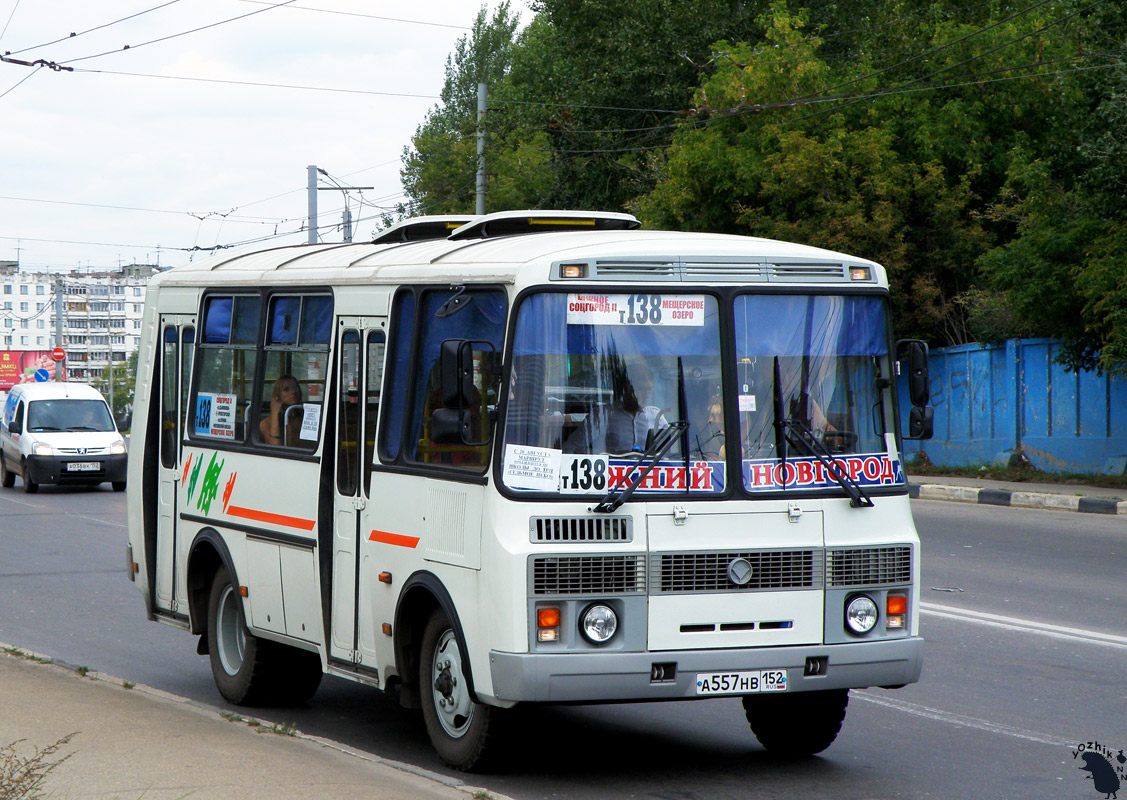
pixel 819 366
pixel 595 377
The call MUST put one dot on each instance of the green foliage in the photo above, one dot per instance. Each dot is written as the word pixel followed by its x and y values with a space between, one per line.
pixel 977 150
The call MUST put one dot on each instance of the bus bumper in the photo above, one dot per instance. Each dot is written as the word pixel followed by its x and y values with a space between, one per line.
pixel 601 677
pixel 61 469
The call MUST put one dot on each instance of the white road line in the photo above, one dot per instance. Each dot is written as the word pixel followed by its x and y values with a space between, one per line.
pixel 1025 625
pixel 25 503
pixel 961 720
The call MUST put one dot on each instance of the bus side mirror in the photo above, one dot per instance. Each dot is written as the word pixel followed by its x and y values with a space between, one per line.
pixel 456 373
pixel 915 350
pixel 920 416
pixel 451 426
pixel 920 420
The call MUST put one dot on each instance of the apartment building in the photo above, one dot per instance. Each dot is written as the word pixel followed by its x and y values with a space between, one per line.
pixel 101 316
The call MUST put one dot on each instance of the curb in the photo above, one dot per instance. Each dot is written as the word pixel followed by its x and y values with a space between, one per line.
pixel 152 694
pixel 1003 497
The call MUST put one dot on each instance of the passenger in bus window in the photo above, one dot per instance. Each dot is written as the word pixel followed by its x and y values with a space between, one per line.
pixel 709 439
pixel 283 426
pixel 633 416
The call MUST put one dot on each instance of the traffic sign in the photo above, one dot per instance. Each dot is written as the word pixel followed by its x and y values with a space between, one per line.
pixel 42 375
pixel 58 354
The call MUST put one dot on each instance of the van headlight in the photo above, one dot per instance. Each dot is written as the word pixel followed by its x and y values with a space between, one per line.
pixel 117 449
pixel 41 449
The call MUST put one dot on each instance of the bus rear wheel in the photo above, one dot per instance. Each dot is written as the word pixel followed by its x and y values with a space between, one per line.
pixel 459 727
pixel 796 725
pixel 249 671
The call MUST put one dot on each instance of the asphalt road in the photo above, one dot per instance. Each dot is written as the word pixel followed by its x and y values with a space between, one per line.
pixel 1025 616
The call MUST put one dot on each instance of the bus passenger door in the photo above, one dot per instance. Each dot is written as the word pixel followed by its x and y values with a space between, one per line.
pixel 360 353
pixel 177 346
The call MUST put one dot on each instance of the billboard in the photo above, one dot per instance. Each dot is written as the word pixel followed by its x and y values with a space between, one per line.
pixel 18 366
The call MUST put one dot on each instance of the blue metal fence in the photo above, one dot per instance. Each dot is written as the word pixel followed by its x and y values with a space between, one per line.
pixel 995 400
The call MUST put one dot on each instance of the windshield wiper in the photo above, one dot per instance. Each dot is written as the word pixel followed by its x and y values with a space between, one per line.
pixel 658 448
pixel 787 426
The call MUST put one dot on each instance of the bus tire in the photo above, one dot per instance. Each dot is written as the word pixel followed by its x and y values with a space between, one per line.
pixel 796 725
pixel 239 662
pixel 7 477
pixel 459 728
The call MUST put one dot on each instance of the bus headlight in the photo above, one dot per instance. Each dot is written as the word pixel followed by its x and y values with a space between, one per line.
pixel 598 623
pixel 861 614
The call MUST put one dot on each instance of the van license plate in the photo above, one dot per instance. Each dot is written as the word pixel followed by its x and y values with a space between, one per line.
pixel 84 466
pixel 765 680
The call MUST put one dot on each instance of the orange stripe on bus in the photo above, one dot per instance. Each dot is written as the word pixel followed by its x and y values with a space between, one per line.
pixel 394 538
pixel 273 519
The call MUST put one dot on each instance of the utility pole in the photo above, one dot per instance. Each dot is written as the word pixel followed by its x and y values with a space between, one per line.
pixel 58 322
pixel 479 205
pixel 311 200
pixel 346 216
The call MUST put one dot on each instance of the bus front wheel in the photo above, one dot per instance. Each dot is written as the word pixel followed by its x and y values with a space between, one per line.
pixel 796 725
pixel 459 728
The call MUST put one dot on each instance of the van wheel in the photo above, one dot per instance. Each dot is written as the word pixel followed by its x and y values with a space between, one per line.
pixel 796 725
pixel 118 486
pixel 459 728
pixel 29 486
pixel 7 478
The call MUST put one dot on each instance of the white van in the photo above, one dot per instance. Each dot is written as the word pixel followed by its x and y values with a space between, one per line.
pixel 61 433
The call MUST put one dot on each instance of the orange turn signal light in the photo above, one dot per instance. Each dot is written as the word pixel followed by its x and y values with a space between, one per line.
pixel 547 617
pixel 896 604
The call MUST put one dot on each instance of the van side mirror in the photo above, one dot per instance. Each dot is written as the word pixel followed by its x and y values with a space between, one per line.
pixel 15 428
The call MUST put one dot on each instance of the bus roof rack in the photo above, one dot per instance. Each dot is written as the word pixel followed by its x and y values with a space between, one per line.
pixel 417 229
pixel 510 223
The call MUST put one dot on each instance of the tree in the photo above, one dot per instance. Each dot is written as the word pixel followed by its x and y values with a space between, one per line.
pixel 440 166
pixel 116 383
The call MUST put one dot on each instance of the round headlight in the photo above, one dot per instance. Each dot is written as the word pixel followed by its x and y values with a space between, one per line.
pixel 598 624
pixel 861 614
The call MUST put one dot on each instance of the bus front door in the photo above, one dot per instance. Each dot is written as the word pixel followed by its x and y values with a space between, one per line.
pixel 177 346
pixel 360 354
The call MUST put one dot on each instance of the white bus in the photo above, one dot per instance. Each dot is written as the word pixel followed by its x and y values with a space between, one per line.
pixel 540 457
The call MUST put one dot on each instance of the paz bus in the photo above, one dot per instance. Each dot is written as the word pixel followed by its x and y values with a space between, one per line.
pixel 533 457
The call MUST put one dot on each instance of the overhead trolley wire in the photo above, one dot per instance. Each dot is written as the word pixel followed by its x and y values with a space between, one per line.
pixel 89 30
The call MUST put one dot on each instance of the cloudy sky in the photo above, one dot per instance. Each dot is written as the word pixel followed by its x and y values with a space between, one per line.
pixel 139 155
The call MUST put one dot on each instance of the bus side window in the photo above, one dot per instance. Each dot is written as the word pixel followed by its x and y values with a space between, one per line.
pixel 227 354
pixel 290 399
pixel 480 318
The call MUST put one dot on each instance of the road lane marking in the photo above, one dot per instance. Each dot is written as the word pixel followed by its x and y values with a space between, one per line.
pixel 1025 625
pixel 927 712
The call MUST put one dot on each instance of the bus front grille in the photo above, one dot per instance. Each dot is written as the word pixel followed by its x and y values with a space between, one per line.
pixel 869 566
pixel 572 575
pixel 581 529
pixel 761 570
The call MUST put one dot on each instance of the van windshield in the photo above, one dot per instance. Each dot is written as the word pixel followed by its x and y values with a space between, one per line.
pixel 68 415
